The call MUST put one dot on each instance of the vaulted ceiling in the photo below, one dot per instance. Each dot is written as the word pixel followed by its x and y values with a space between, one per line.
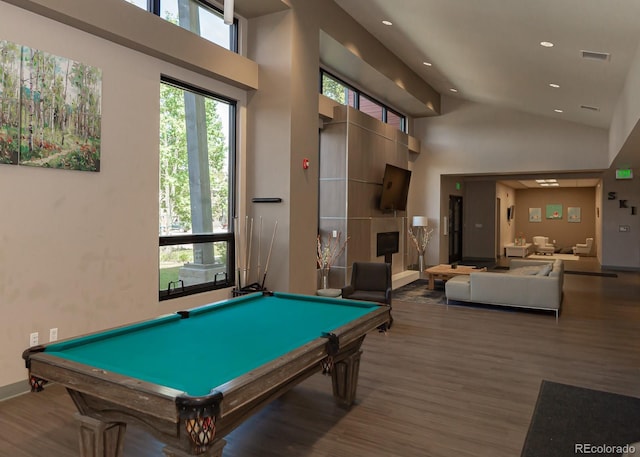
pixel 489 51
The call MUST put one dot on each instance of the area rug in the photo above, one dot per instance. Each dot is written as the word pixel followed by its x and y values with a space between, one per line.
pixel 554 256
pixel 568 420
pixel 418 292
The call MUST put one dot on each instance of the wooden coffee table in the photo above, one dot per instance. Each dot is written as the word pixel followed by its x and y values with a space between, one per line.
pixel 445 272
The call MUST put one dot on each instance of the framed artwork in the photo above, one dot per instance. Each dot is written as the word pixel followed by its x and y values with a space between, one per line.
pixel 573 214
pixel 535 215
pixel 51 110
pixel 554 211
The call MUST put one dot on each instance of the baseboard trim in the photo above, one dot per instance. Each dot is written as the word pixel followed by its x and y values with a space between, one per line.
pixel 616 268
pixel 13 390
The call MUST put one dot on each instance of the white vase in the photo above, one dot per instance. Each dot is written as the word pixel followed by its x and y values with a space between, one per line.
pixel 421 265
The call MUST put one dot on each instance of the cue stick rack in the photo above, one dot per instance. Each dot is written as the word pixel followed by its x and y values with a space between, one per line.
pixel 243 233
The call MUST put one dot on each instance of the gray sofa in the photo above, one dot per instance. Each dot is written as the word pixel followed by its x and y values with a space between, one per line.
pixel 535 284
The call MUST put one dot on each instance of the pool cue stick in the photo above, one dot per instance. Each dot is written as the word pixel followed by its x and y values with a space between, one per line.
pixel 236 230
pixel 266 265
pixel 244 254
pixel 259 250
pixel 249 250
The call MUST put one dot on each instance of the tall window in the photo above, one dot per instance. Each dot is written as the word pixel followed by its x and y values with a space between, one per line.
pixel 197 138
pixel 198 16
pixel 338 90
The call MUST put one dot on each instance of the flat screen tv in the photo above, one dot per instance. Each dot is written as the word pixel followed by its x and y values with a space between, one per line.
pixel 395 188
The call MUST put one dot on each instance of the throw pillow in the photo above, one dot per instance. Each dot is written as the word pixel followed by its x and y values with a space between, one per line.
pixel 545 270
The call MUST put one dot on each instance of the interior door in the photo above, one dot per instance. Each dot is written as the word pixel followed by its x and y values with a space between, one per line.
pixel 455 228
pixel 498 228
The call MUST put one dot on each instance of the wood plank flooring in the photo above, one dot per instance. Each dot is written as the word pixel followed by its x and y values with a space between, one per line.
pixel 445 381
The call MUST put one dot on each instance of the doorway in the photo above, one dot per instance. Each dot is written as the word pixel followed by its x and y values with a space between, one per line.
pixel 455 228
pixel 498 228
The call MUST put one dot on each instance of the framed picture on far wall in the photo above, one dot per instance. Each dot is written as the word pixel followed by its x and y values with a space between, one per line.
pixel 535 215
pixel 554 211
pixel 573 214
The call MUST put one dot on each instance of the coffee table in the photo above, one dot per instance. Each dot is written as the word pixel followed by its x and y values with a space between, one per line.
pixel 445 272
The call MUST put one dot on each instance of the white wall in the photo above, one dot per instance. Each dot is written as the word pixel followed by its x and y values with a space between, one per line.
pixel 627 110
pixel 472 138
pixel 79 250
pixel 507 196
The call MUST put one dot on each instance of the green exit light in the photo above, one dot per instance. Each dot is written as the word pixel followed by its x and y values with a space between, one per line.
pixel 624 173
pixel 458 186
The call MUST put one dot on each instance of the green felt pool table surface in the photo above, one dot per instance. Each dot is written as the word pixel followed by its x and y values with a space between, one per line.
pixel 216 343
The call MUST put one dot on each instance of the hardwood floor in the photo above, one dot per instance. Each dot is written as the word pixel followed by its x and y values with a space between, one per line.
pixel 445 381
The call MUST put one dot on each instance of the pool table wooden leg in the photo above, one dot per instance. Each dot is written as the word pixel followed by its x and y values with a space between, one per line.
pixel 215 450
pixel 344 376
pixel 100 439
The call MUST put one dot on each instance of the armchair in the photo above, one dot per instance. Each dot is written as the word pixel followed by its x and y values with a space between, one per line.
pixel 541 245
pixel 584 249
pixel 370 281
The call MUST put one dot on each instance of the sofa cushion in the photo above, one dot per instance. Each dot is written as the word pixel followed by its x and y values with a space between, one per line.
pixel 526 271
pixel 458 288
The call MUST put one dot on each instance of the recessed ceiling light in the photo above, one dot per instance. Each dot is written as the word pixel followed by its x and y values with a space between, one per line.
pixel 428 64
pixel 453 90
pixel 387 22
pixel 558 110
pixel 546 44
pixel 555 184
pixel 544 184
pixel 540 181
pixel 551 180
pixel 555 86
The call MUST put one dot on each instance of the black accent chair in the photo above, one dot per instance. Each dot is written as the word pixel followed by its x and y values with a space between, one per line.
pixel 370 281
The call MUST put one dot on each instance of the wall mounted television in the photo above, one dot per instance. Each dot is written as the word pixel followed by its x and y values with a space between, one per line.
pixel 395 188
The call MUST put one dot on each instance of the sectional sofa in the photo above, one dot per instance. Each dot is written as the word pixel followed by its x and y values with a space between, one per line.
pixel 535 284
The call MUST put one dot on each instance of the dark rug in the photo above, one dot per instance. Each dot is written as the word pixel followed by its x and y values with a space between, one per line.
pixel 567 416
pixel 418 292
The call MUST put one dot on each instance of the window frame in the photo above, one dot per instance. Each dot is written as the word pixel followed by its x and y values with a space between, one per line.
pixel 229 235
pixel 154 7
pixel 358 93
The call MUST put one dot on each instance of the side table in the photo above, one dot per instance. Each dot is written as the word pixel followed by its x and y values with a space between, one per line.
pixel 511 250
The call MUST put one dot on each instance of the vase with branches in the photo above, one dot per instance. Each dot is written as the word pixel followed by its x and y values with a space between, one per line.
pixel 328 251
pixel 420 236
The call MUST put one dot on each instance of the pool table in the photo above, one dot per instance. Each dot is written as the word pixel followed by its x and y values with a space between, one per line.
pixel 193 376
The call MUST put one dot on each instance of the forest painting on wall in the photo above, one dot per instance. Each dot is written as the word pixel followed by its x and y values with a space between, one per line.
pixel 49 110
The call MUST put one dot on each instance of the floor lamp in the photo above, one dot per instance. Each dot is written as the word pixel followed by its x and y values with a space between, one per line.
pixel 420 234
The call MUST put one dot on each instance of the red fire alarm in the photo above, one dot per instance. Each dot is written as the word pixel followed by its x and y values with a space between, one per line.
pixel 305 164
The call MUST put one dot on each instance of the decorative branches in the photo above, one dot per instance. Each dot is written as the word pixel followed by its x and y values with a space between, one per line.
pixel 421 238
pixel 329 250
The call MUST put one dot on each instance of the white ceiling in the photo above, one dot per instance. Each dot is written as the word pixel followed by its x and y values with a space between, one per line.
pixel 489 49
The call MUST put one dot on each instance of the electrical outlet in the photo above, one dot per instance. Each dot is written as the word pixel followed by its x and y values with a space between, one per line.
pixel 335 234
pixel 33 339
pixel 53 334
